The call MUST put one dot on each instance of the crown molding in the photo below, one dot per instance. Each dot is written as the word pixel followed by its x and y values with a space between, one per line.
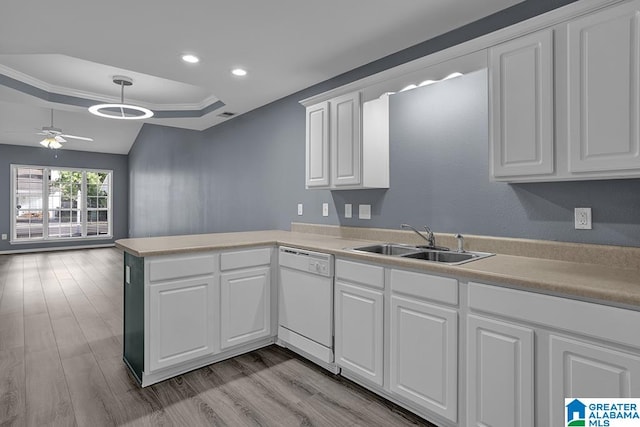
pixel 98 97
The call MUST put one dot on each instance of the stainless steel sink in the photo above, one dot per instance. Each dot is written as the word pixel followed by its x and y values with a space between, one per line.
pixel 439 256
pixel 422 253
pixel 394 249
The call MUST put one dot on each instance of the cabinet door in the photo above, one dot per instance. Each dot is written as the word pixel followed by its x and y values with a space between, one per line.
pixel 245 306
pixel 521 106
pixel 317 149
pixel 500 374
pixel 346 142
pixel 424 355
pixel 359 330
pixel 181 324
pixel 581 369
pixel 604 90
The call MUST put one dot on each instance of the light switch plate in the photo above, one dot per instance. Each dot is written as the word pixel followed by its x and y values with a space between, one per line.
pixel 364 211
pixel 325 209
pixel 4 237
pixel 582 217
pixel 300 209
pixel 348 213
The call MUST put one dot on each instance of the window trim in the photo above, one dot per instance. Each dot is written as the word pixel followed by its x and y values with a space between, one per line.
pixel 45 205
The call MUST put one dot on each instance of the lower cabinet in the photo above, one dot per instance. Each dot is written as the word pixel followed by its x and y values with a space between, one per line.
pixel 423 361
pixel 586 369
pixel 359 330
pixel 500 373
pixel 183 311
pixel 245 306
pixel 567 348
pixel 181 321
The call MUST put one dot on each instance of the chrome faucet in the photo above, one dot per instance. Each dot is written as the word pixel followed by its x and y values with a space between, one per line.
pixel 460 238
pixel 430 238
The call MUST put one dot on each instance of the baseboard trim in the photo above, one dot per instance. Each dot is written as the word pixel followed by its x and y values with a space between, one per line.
pixel 58 248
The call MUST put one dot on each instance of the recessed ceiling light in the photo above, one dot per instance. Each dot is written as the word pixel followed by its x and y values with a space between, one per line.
pixel 239 72
pixel 191 59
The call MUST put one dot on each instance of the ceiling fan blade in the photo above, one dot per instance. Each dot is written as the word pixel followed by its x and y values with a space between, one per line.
pixel 82 138
pixel 59 138
pixel 42 133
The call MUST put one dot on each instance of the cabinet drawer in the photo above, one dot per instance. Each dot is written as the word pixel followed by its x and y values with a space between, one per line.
pixel 370 275
pixel 426 286
pixel 181 266
pixel 245 258
pixel 594 320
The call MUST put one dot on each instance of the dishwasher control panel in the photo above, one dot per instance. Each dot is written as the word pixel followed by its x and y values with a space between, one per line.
pixel 319 266
pixel 309 261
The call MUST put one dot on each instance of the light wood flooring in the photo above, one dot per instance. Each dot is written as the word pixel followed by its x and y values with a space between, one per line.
pixel 61 363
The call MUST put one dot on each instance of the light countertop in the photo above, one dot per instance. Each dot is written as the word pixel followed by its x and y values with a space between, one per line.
pixel 605 284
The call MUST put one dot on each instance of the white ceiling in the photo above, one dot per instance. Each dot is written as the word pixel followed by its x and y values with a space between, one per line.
pixel 74 47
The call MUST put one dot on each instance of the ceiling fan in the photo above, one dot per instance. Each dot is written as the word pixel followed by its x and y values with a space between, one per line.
pixel 54 136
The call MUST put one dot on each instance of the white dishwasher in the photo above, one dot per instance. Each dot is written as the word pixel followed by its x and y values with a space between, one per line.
pixel 305 309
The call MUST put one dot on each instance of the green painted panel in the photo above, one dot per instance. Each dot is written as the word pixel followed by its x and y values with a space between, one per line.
pixel 134 315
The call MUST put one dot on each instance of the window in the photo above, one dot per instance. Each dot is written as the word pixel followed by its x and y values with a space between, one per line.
pixel 57 203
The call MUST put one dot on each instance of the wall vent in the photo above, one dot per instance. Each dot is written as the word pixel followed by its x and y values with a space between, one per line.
pixel 226 114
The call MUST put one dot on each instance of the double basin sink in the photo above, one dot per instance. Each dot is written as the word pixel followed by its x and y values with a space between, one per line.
pixel 426 253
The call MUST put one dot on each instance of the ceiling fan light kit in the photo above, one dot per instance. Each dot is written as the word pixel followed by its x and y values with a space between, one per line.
pixel 121 111
pixel 51 143
pixel 54 136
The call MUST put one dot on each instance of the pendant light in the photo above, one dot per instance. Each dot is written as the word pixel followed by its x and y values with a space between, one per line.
pixel 121 111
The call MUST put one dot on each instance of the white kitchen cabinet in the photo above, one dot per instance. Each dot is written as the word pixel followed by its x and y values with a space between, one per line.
pixel 423 340
pixel 181 321
pixel 521 106
pixel 245 296
pixel 347 143
pixel 245 306
pixel 424 354
pixel 500 373
pixel 603 70
pixel 581 349
pixel 359 322
pixel 583 369
pixel 565 101
pixel 317 146
pixel 359 331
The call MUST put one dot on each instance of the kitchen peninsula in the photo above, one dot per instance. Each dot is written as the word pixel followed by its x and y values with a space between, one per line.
pixel 182 311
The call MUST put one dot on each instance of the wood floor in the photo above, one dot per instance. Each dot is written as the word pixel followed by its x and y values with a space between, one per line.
pixel 61 363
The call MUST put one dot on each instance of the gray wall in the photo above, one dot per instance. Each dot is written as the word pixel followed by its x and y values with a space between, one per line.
pixel 248 173
pixel 14 154
pixel 439 176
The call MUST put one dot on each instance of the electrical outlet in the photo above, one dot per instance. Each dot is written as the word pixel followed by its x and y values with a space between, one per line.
pixel 300 209
pixel 582 218
pixel 325 209
pixel 4 237
pixel 364 211
pixel 348 210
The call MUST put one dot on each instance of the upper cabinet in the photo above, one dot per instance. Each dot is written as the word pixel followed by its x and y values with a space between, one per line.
pixel 521 113
pixel 589 127
pixel 347 143
pixel 603 92
pixel 317 152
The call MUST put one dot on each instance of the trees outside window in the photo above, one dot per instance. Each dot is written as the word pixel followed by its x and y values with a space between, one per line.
pixel 56 203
